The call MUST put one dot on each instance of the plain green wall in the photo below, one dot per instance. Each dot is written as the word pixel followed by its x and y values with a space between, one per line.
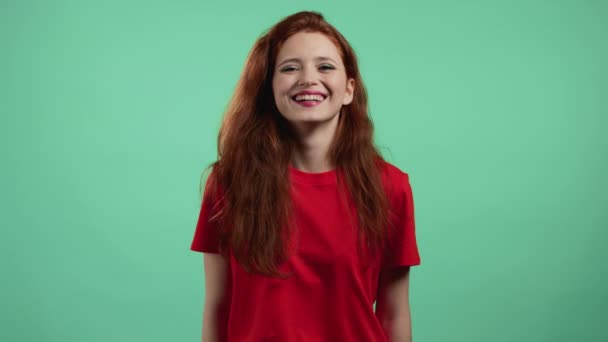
pixel 497 110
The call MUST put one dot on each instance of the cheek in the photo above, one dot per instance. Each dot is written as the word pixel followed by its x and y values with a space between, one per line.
pixel 280 86
pixel 276 86
pixel 338 88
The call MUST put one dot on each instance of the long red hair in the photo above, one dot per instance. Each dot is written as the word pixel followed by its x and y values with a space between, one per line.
pixel 251 175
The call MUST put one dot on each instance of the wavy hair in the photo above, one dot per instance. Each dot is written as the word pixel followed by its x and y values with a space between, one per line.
pixel 255 143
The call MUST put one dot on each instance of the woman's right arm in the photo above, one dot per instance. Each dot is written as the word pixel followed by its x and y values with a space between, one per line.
pixel 216 307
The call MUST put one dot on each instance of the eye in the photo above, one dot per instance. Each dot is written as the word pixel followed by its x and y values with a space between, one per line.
pixel 327 67
pixel 288 68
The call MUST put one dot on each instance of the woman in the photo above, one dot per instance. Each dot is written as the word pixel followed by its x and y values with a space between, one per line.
pixel 303 224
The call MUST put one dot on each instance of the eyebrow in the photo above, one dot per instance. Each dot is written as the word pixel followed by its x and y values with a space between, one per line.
pixel 320 58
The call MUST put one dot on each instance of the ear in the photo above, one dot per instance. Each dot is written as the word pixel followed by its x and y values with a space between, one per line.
pixel 350 90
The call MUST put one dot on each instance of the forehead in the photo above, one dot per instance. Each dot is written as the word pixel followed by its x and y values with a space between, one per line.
pixel 308 45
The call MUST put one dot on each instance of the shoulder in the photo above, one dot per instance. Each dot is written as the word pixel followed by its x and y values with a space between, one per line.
pixel 213 190
pixel 393 172
pixel 395 179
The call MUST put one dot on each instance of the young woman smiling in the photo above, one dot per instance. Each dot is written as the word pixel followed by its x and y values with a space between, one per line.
pixel 303 224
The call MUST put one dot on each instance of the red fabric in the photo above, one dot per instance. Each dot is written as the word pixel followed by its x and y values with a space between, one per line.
pixel 331 294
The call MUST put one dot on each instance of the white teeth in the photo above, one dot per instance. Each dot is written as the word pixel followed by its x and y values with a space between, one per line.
pixel 318 98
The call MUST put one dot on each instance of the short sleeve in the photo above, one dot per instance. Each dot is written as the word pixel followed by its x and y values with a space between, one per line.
pixel 402 249
pixel 206 233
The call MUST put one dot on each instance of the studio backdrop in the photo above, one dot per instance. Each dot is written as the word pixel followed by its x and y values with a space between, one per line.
pixel 110 111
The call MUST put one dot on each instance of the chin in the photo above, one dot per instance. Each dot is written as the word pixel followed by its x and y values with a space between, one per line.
pixel 312 117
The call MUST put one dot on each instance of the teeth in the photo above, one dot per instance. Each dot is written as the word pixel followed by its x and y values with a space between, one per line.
pixel 318 98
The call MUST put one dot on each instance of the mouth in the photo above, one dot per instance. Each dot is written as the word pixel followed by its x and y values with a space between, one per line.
pixel 308 100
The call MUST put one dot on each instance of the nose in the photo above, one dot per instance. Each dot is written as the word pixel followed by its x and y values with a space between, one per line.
pixel 308 76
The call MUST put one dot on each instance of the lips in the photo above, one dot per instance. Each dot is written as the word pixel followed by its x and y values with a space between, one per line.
pixel 311 94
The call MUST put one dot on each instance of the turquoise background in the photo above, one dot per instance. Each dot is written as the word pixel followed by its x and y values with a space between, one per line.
pixel 496 109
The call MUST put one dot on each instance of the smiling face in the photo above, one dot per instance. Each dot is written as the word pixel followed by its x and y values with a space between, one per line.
pixel 309 81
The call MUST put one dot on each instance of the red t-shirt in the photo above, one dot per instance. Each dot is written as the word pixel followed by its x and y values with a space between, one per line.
pixel 331 294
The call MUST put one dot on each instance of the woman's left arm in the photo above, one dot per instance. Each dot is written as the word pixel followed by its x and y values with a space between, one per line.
pixel 393 307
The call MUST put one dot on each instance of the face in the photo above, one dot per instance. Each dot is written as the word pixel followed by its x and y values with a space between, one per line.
pixel 309 80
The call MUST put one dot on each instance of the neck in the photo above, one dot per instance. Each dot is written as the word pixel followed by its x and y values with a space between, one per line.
pixel 314 140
